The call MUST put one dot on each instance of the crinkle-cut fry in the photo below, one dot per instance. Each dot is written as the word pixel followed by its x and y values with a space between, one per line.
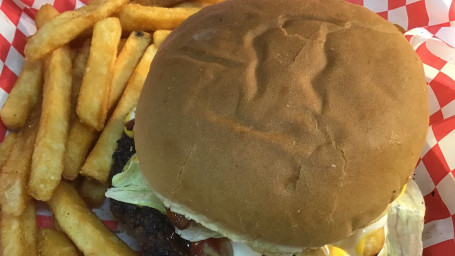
pixel 18 233
pixel 83 227
pixel 159 36
pixel 93 100
pixel 127 60
pixel 99 161
pixel 150 18
pixel 23 96
pixel 6 147
pixel 15 172
pixel 93 192
pixel 67 26
pixel 48 155
pixel 80 140
pixel 53 242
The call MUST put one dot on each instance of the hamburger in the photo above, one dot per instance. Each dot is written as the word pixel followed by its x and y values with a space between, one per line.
pixel 285 127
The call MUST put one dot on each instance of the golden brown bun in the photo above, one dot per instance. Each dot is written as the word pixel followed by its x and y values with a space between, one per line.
pixel 282 122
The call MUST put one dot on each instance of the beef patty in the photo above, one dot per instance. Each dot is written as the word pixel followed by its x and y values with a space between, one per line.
pixel 152 229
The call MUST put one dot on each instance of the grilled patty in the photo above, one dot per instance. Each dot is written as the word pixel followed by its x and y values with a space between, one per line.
pixel 152 229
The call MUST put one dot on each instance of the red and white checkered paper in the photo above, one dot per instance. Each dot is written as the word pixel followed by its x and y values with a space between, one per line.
pixel 430 26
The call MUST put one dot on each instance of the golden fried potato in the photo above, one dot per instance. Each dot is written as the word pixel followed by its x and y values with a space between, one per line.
pixel 83 227
pixel 126 62
pixel 54 243
pixel 23 96
pixel 15 172
pixel 93 100
pixel 18 233
pixel 159 36
pixel 67 26
pixel 48 155
pixel 99 161
pixel 149 18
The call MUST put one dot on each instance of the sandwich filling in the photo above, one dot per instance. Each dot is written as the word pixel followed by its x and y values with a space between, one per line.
pixel 397 232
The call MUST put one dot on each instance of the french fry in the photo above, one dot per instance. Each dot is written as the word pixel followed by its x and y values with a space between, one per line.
pixel 48 155
pixel 23 96
pixel 149 18
pixel 121 43
pixel 80 136
pixel 11 243
pixel 194 3
pixel 29 229
pixel 99 161
pixel 212 1
pixel 159 36
pixel 15 172
pixel 28 87
pixel 127 60
pixel 67 26
pixel 18 233
pixel 93 192
pixel 79 66
pixel 93 100
pixel 29 84
pixel 161 3
pixel 53 242
pixel 82 226
pixel 46 13
pixel 80 140
pixel 6 147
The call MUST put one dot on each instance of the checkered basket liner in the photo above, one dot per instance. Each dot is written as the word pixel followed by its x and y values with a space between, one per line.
pixel 430 26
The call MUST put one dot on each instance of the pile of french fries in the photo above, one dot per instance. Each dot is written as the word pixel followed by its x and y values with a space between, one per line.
pixel 83 73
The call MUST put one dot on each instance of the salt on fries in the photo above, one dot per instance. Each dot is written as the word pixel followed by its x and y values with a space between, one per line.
pixel 52 242
pixel 82 226
pixel 72 82
pixel 148 18
pixel 93 99
pixel 68 26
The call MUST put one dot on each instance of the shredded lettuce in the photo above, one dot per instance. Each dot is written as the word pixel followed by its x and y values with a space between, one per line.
pixel 130 186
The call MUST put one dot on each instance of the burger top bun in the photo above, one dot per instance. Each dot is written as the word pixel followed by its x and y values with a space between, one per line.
pixel 282 124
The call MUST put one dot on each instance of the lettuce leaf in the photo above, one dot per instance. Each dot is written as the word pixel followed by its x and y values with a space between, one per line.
pixel 130 186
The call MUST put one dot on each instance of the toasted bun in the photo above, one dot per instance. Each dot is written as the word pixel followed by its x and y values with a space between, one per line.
pixel 283 124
